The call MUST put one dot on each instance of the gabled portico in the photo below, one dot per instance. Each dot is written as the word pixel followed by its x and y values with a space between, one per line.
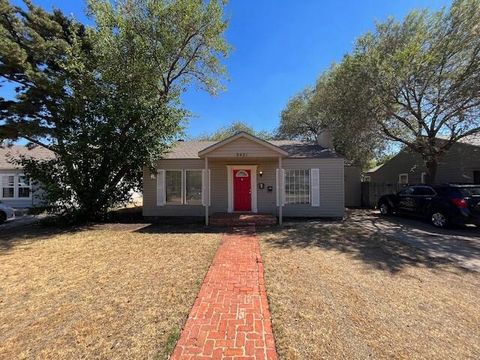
pixel 242 155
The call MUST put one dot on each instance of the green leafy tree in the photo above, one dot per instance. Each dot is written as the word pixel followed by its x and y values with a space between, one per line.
pixel 104 99
pixel 420 79
pixel 321 109
pixel 233 129
pixel 302 118
pixel 341 94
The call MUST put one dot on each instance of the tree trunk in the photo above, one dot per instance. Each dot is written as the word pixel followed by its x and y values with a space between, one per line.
pixel 432 166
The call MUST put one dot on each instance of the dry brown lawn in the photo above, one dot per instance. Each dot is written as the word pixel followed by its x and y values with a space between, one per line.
pixel 338 291
pixel 108 292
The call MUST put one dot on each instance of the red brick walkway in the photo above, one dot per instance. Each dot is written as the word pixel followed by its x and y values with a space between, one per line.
pixel 230 318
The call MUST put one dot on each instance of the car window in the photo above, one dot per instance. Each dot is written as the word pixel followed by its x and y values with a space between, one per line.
pixel 444 191
pixel 470 191
pixel 406 191
pixel 423 191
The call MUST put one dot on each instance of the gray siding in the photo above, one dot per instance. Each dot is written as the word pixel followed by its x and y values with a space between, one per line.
pixel 331 187
pixel 353 186
pixel 150 207
pixel 266 201
pixel 457 165
pixel 332 198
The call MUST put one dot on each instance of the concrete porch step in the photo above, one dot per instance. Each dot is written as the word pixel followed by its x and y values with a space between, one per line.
pixel 242 219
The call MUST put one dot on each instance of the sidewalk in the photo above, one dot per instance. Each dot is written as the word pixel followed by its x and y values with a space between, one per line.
pixel 230 318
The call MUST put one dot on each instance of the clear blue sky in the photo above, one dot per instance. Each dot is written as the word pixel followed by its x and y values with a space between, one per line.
pixel 280 47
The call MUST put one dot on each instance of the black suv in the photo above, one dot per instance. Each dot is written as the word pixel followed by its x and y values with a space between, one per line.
pixel 441 204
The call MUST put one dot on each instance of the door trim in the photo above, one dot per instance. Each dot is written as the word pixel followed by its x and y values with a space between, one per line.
pixel 253 185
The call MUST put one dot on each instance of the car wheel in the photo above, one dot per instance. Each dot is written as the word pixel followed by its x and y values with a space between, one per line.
pixel 3 217
pixel 385 209
pixel 438 219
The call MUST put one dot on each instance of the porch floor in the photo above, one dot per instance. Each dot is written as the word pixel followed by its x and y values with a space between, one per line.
pixel 242 219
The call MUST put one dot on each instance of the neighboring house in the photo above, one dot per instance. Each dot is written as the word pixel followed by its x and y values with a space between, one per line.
pixel 461 164
pixel 246 174
pixel 16 189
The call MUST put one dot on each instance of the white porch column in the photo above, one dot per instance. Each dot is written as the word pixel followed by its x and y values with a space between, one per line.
pixel 207 187
pixel 280 188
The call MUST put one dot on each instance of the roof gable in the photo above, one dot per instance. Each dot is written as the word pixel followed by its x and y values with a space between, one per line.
pixel 242 143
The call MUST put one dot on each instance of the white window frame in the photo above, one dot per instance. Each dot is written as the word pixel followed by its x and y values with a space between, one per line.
pixel 423 176
pixel 182 186
pixel 400 177
pixel 2 176
pixel 26 187
pixel 308 196
pixel 16 186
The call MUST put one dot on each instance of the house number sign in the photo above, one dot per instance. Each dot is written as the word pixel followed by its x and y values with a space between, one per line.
pixel 242 155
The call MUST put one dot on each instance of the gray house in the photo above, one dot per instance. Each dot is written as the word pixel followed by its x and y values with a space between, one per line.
pixel 245 174
pixel 461 164
pixel 16 189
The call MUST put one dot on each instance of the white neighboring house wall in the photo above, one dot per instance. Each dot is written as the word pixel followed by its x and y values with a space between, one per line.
pixel 18 200
pixel 8 168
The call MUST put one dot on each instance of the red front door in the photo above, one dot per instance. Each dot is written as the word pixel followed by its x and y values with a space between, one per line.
pixel 242 194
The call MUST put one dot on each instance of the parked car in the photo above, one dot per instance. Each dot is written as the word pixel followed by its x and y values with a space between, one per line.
pixel 443 205
pixel 6 212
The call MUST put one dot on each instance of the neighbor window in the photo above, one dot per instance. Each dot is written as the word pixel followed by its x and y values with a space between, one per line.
pixel 476 176
pixel 403 179
pixel 173 186
pixel 24 187
pixel 297 186
pixel 8 186
pixel 193 187
pixel 424 177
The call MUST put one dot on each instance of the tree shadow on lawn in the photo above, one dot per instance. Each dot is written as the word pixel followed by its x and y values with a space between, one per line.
pixel 27 234
pixel 389 244
pixel 43 230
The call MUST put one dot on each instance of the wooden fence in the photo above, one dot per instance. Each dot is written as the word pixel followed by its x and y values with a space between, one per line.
pixel 371 192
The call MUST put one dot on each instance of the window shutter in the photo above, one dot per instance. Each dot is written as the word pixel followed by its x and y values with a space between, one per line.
pixel 315 186
pixel 280 192
pixel 160 187
pixel 205 189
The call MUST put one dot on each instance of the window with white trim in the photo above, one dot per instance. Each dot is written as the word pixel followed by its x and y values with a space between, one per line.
pixel 24 187
pixel 193 187
pixel 174 186
pixel 424 178
pixel 403 179
pixel 297 186
pixel 8 186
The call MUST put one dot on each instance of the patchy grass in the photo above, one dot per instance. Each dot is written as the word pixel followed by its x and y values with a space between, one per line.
pixel 110 291
pixel 338 290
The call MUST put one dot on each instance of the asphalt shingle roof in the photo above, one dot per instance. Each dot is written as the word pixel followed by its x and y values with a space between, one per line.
pixel 295 149
pixel 9 153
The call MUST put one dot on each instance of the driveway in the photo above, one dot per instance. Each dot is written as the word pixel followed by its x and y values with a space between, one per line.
pixel 459 245
pixel 20 221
